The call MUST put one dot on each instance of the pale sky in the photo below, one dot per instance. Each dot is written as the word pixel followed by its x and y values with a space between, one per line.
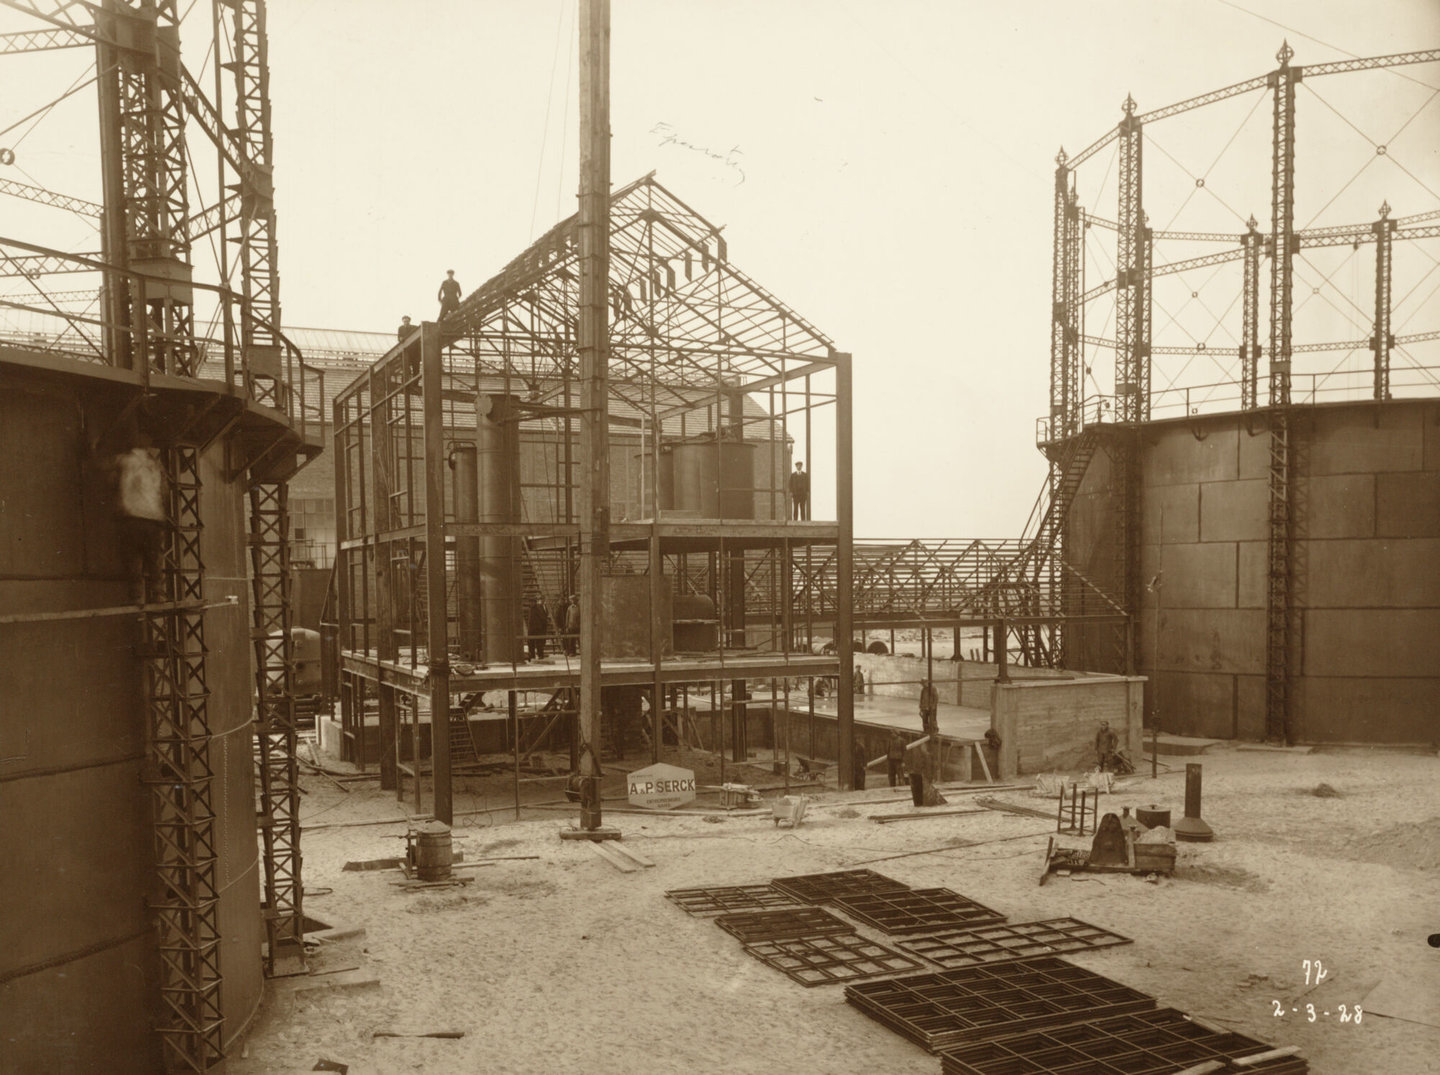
pixel 885 169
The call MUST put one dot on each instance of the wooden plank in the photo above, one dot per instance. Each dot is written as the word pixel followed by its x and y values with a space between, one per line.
pixel 620 862
pixel 984 765
pixel 887 819
pixel 630 853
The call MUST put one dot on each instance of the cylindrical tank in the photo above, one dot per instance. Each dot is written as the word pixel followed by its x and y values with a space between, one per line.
pixel 498 437
pixel 697 628
pixel 78 965
pixel 715 480
pixel 1365 587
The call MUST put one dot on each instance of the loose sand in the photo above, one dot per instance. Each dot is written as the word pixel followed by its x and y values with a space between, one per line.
pixel 564 964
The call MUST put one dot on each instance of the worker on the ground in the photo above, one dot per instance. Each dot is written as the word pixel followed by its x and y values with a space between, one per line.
pixel 537 626
pixel 404 330
pixel 800 493
pixel 449 294
pixel 929 708
pixel 895 758
pixel 858 682
pixel 572 625
pixel 143 522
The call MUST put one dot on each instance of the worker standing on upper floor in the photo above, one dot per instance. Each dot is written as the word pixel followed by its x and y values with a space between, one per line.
pixel 449 294
pixel 404 330
pixel 572 625
pixel 800 493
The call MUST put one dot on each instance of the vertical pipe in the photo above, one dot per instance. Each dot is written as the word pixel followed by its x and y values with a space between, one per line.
pixel 594 228
pixel 382 512
pixel 464 464
pixel 844 567
pixel 436 642
pixel 515 732
pixel 498 464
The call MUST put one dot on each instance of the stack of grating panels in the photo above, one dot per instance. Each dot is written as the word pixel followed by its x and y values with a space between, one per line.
pixel 823 960
pixel 825 887
pixel 951 1008
pixel 730 898
pixel 752 927
pixel 1146 1043
pixel 1020 940
pixel 916 910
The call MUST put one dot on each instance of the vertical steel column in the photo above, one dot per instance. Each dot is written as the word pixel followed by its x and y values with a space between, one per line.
pixel 437 643
pixel 1060 386
pixel 275 733
pixel 151 114
pixel 1283 243
pixel 1132 346
pixel 117 300
pixel 844 569
pixel 1074 381
pixel 255 239
pixel 179 775
pixel 1251 244
pixel 594 352
pixel 1383 339
pixel 1280 561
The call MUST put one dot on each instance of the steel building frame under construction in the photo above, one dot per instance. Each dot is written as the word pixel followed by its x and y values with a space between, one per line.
pixel 457 499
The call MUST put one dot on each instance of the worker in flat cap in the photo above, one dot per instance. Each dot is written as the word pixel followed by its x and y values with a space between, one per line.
pixel 449 294
pixel 405 329
pixel 572 625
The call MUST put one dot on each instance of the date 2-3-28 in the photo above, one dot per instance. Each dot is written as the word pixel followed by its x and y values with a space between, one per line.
pixel 1315 973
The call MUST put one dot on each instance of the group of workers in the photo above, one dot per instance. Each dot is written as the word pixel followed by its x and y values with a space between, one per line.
pixel 449 298
pixel 538 628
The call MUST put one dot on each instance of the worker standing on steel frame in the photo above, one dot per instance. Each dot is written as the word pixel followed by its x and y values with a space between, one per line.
pixel 449 294
pixel 800 493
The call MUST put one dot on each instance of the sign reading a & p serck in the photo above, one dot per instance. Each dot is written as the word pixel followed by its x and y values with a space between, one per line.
pixel 662 786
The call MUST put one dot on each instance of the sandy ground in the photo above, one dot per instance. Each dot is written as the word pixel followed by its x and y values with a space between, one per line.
pixel 562 963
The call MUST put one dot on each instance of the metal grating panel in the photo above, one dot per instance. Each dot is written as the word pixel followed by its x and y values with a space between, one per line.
pixel 917 909
pixel 1163 1040
pixel 951 1008
pixel 727 899
pixel 822 960
pixel 755 926
pixel 1022 940
pixel 825 887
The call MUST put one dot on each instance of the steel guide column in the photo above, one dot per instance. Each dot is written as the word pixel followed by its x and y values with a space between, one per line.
pixel 179 776
pixel 1382 339
pixel 275 732
pixel 1280 551
pixel 1252 244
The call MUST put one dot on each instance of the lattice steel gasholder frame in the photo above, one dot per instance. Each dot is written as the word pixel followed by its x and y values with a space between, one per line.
pixel 1009 941
pixel 827 887
pixel 835 958
pixel 179 776
pixel 917 909
pixel 950 1008
pixel 1163 1040
pixel 275 729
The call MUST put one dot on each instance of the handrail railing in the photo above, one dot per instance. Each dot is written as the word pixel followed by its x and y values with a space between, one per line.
pixel 297 390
